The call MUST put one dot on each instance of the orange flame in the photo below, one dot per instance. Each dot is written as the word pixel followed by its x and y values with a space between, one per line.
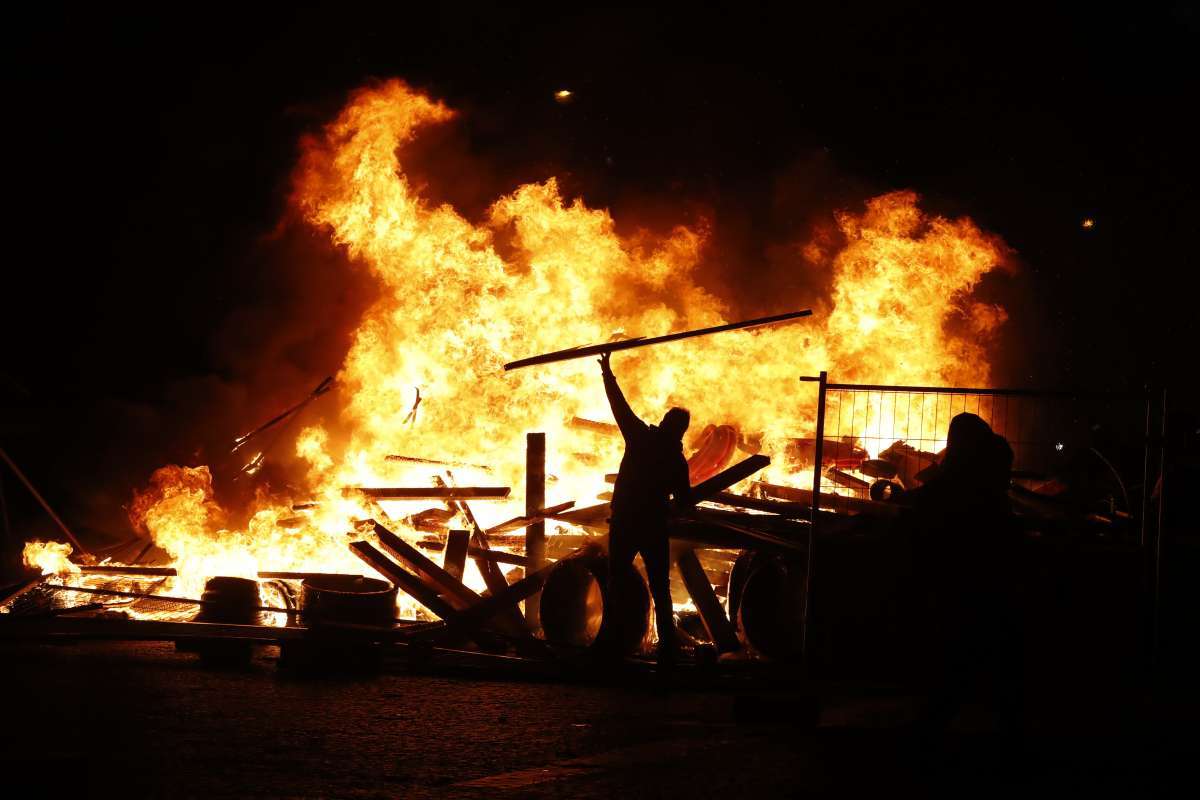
pixel 454 305
pixel 52 558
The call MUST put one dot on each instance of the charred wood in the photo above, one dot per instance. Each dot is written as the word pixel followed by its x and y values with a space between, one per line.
pixel 428 492
pixel 720 631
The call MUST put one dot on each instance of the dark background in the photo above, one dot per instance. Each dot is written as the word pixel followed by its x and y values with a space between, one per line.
pixel 150 298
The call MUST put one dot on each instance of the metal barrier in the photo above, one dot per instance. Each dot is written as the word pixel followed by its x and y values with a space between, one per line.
pixel 874 440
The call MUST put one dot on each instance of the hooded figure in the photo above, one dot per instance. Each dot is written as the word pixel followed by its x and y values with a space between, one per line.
pixel 966 548
pixel 653 470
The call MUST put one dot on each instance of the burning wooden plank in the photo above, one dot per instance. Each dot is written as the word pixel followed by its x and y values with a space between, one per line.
pixel 122 569
pixel 446 584
pixel 831 501
pixel 723 480
pixel 428 492
pixel 593 517
pixel 405 581
pixel 300 576
pixel 846 480
pixel 143 630
pixel 516 523
pixel 499 556
pixel 436 462
pixel 508 598
pixel 720 630
pixel 490 570
pixel 535 532
pixel 431 520
pixel 602 428
pixel 628 344
pixel 788 510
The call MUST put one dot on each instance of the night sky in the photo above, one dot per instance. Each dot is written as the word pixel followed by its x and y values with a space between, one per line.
pixel 148 161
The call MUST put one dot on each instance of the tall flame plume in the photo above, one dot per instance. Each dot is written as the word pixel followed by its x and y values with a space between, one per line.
pixel 458 298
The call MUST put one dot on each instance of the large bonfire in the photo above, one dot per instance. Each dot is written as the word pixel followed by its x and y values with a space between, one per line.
pixel 453 306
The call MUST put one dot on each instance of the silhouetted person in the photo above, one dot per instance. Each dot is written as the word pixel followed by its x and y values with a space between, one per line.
pixel 653 470
pixel 967 547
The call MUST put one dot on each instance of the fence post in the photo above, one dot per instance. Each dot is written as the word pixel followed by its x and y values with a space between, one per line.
pixel 818 456
pixel 535 532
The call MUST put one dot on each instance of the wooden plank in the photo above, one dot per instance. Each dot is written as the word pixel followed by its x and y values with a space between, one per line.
pixel 443 582
pixel 428 492
pixel 535 533
pixel 405 581
pixel 591 517
pixel 640 341
pixel 602 428
pixel 728 477
pixel 489 606
pixel 455 559
pixel 160 597
pixel 161 572
pixel 835 502
pixel 490 570
pixel 436 462
pixel 516 523
pixel 299 576
pixel 499 556
pixel 142 630
pixel 781 508
pixel 720 630
pixel 846 480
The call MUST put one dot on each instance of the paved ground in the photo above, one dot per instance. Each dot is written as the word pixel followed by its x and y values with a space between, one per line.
pixel 140 720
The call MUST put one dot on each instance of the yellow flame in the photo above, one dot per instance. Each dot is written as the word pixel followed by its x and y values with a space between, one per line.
pixel 458 298
pixel 52 558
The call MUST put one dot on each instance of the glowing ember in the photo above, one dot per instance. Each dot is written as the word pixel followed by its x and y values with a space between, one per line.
pixel 564 95
pixel 1088 223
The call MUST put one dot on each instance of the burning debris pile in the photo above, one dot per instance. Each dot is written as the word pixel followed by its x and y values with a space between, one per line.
pixel 409 471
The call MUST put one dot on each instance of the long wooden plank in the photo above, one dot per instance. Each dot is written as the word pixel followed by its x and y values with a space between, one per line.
pixel 493 577
pixel 406 581
pixel 142 630
pixel 778 507
pixel 160 572
pixel 728 477
pixel 429 492
pixel 640 341
pixel 489 606
pixel 299 576
pixel 445 584
pixel 835 502
pixel 535 500
pixel 516 523
pixel 720 630
pixel 499 556
pixel 592 517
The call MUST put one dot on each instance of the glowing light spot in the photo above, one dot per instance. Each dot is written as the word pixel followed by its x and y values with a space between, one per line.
pixel 564 96
pixel 1088 223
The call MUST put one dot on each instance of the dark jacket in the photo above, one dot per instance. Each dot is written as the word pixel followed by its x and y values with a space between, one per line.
pixel 652 469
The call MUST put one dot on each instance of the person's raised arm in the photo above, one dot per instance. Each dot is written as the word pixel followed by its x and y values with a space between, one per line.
pixel 627 421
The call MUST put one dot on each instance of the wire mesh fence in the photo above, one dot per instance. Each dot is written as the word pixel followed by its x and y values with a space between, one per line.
pixel 1075 455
